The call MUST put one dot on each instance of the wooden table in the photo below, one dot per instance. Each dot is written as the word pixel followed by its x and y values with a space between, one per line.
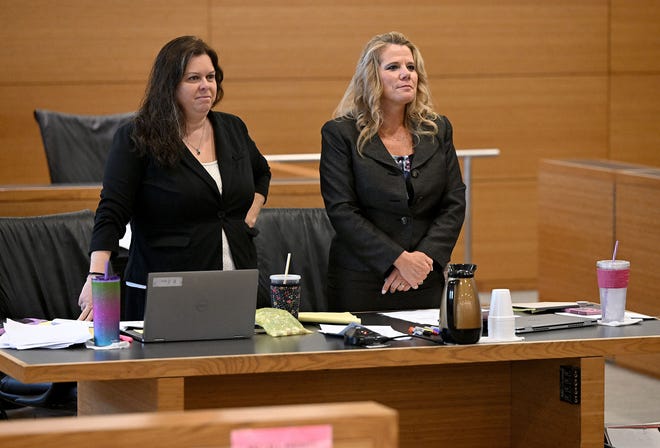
pixel 495 395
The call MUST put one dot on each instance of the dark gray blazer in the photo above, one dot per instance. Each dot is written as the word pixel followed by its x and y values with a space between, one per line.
pixel 366 198
pixel 177 213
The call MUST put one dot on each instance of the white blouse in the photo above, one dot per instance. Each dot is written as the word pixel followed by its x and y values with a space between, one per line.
pixel 227 259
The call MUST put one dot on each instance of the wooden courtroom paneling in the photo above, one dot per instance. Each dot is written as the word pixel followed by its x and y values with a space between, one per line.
pixel 635 81
pixel 377 428
pixel 530 78
pixel 576 228
pixel 78 42
pixel 296 38
pixel 504 234
pixel 487 408
pixel 26 200
pixel 635 118
pixel 526 118
pixel 283 118
pixel 638 232
pixel 533 376
pixel 635 35
pixel 47 199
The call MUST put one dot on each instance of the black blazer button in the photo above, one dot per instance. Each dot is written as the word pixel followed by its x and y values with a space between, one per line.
pixel 404 220
pixel 414 173
pixel 221 215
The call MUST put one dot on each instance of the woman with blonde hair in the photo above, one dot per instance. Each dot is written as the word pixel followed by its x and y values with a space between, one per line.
pixel 391 184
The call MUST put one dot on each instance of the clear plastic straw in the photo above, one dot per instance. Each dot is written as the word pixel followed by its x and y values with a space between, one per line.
pixel 616 247
pixel 286 268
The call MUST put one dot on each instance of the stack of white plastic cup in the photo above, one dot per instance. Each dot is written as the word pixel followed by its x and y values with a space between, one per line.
pixel 501 320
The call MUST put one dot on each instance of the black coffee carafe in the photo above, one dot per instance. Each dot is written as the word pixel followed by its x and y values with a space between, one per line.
pixel 460 310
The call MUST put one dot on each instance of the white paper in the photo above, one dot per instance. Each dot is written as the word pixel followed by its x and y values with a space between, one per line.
pixel 626 321
pixel 338 330
pixel 633 437
pixel 424 317
pixel 628 315
pixel 488 340
pixel 45 335
pixel 124 324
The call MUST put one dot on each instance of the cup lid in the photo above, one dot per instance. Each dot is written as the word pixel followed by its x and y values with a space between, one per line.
pixel 613 264
pixel 288 277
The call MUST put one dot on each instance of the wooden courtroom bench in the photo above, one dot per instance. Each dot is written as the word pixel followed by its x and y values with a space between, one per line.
pixel 32 200
pixel 363 424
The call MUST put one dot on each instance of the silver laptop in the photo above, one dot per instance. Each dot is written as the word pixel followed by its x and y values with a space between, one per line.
pixel 529 323
pixel 198 305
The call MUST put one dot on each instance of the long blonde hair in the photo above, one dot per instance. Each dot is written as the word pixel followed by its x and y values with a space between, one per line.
pixel 361 100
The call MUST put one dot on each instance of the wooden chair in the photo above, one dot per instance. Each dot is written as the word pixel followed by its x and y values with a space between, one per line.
pixel 357 424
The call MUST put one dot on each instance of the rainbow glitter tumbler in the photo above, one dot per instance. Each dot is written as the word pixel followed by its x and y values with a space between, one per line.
pixel 107 301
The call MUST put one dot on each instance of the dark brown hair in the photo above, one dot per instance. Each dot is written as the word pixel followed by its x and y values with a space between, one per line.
pixel 159 123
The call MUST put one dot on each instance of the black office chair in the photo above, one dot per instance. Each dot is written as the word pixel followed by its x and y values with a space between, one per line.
pixel 304 232
pixel 77 146
pixel 43 265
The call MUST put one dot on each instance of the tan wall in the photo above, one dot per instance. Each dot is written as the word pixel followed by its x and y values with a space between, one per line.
pixel 559 79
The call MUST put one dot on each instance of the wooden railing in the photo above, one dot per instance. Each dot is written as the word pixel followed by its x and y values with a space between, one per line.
pixel 466 155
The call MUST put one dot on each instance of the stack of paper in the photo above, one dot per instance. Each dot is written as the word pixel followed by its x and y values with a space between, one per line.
pixel 61 334
pixel 542 307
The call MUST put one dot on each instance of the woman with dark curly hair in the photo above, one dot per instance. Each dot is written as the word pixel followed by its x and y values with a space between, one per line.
pixel 391 184
pixel 190 180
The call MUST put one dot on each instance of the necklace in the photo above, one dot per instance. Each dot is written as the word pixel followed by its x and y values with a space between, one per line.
pixel 201 140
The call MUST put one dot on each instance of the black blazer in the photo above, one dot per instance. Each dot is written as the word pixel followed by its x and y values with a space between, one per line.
pixel 366 198
pixel 177 213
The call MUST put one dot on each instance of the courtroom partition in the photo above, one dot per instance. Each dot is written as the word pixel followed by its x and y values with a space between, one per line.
pixel 353 424
pixel 638 231
pixel 584 207
pixel 575 225
pixel 33 200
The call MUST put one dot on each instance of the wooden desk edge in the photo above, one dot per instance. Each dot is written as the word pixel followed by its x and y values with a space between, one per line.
pixel 326 360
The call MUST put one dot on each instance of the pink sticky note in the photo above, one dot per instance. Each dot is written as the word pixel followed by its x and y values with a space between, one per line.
pixel 317 436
